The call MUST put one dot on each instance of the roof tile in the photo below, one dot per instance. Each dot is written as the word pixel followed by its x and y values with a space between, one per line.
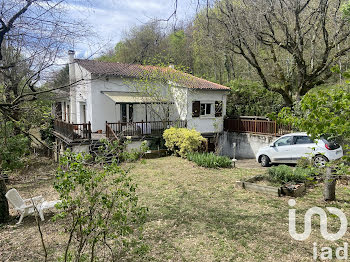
pixel 141 71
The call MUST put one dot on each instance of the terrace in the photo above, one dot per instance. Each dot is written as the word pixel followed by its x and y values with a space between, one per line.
pixel 82 132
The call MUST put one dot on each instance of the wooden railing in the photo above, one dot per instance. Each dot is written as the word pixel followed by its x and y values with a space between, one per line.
pixel 256 126
pixel 151 128
pixel 110 134
pixel 73 131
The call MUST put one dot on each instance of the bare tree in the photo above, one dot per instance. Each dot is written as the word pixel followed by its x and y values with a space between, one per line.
pixel 33 35
pixel 292 44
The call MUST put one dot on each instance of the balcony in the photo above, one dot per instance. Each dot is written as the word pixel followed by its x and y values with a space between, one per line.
pixel 82 132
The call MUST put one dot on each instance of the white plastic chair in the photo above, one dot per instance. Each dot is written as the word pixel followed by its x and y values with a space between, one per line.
pixel 26 207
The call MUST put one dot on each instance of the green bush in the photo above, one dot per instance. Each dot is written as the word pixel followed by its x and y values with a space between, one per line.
pixel 285 174
pixel 100 209
pixel 12 151
pixel 182 140
pixel 209 160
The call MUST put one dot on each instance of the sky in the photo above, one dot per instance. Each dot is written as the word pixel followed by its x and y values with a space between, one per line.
pixel 110 19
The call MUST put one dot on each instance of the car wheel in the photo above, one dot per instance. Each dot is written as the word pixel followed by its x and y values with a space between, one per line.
pixel 264 161
pixel 320 161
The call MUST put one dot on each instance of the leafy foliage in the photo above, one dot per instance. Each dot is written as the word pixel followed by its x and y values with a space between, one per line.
pixel 182 140
pixel 117 150
pixel 285 174
pixel 209 160
pixel 13 148
pixel 322 113
pixel 101 208
pixel 249 98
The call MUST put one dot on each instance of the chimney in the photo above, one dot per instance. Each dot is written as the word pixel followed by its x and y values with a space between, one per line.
pixel 71 54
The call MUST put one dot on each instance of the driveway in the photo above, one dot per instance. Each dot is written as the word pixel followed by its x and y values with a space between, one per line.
pixel 248 163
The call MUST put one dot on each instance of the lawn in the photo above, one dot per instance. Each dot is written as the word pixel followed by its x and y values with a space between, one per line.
pixel 195 214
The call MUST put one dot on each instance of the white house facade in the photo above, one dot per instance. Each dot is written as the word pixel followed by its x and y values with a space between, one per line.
pixel 106 92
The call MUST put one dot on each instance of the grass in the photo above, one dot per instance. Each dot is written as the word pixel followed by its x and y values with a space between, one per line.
pixel 195 214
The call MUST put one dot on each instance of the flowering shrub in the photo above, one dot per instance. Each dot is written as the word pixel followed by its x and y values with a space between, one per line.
pixel 182 140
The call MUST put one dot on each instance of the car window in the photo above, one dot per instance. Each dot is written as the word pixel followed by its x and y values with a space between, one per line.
pixel 284 141
pixel 299 140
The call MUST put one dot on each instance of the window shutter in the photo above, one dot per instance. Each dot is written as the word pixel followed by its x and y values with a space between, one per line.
pixel 218 108
pixel 196 106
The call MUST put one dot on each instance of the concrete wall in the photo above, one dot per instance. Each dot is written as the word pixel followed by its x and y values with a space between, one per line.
pixel 247 145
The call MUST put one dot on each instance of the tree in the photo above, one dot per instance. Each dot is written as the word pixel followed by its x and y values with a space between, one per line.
pixel 161 87
pixel 325 113
pixel 139 45
pixel 100 206
pixel 33 35
pixel 292 45
pixel 250 98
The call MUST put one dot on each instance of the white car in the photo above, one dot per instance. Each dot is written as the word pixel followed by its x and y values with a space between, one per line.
pixel 289 148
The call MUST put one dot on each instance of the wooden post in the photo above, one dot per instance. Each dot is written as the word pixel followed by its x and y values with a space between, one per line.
pixel 142 127
pixel 146 112
pixel 275 128
pixel 89 130
pixel 255 126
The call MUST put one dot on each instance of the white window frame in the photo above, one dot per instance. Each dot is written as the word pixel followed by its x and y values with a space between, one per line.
pixel 212 109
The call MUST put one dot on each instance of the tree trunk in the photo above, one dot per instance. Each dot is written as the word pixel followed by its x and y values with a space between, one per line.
pixel 329 185
pixel 4 206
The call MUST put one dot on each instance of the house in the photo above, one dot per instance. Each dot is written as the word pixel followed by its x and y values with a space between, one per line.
pixel 108 98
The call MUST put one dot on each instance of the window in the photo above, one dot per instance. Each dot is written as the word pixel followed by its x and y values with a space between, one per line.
pixel 284 141
pixel 205 109
pixel 218 108
pixel 299 140
pixel 58 110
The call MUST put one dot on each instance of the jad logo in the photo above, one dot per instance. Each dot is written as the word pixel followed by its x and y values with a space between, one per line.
pixel 341 253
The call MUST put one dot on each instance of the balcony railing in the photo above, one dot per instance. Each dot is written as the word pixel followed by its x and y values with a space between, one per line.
pixel 73 132
pixel 150 128
pixel 256 126
pixel 78 132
